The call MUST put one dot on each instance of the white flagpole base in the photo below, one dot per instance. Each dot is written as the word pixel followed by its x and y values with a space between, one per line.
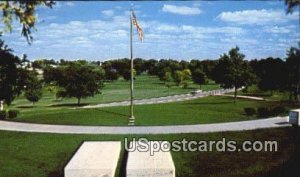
pixel 131 121
pixel 131 118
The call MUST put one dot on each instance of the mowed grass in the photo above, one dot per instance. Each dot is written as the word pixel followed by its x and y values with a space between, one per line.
pixel 269 95
pixel 45 155
pixel 145 86
pixel 211 109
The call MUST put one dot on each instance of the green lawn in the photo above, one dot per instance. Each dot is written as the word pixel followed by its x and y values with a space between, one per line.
pixel 203 110
pixel 144 87
pixel 199 111
pixel 45 155
pixel 269 95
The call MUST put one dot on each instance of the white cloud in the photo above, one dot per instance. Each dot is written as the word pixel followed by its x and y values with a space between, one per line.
pixel 233 40
pixel 67 39
pixel 257 17
pixel 167 28
pixel 276 29
pixel 188 29
pixel 108 13
pixel 107 38
pixel 181 10
pixel 207 30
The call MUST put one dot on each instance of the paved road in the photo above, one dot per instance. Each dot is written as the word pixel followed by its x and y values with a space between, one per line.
pixel 166 99
pixel 126 130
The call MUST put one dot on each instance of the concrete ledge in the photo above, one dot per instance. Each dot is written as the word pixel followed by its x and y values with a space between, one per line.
pixel 143 164
pixel 94 159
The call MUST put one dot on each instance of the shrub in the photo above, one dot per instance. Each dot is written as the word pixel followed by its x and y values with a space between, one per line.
pixel 278 110
pixel 2 115
pixel 245 90
pixel 263 112
pixel 249 111
pixel 185 85
pixel 12 114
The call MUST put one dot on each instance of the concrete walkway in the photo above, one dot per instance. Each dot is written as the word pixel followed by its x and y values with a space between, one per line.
pixel 166 99
pixel 126 130
pixel 247 97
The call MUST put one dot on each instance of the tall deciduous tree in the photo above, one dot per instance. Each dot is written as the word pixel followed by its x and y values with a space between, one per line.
pixel 12 76
pixel 178 77
pixel 271 73
pixel 167 80
pixel 182 77
pixel 293 68
pixel 79 80
pixel 127 74
pixel 24 13
pixel 233 71
pixel 186 77
pixel 199 77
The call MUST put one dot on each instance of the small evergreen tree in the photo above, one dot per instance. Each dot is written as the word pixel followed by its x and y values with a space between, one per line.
pixel 33 89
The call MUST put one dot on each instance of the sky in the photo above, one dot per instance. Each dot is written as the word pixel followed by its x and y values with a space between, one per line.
pixel 181 30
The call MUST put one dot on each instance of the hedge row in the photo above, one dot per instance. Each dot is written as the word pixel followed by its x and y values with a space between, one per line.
pixel 265 111
pixel 9 114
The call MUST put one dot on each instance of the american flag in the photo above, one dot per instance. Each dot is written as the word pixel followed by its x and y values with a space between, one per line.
pixel 138 27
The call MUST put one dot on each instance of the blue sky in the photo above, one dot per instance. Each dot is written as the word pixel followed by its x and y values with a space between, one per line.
pixel 178 30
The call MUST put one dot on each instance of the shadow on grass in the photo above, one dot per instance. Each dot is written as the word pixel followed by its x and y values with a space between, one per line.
pixel 211 103
pixel 59 172
pixel 289 168
pixel 25 106
pixel 69 105
pixel 57 100
pixel 158 83
pixel 56 174
pixel 211 84
pixel 111 112
pixel 282 123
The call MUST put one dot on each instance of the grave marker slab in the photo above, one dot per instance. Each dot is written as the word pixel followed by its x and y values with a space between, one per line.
pixel 94 159
pixel 143 164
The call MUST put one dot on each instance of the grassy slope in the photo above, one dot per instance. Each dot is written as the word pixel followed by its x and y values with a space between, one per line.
pixel 45 155
pixel 144 87
pixel 274 96
pixel 203 110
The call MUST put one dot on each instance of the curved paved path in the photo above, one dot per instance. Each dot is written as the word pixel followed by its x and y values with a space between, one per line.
pixel 246 97
pixel 126 130
pixel 166 99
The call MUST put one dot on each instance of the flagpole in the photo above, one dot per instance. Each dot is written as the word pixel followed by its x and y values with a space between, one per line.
pixel 131 118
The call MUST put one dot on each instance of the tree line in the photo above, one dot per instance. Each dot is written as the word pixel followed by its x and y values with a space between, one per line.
pixel 230 70
pixel 81 78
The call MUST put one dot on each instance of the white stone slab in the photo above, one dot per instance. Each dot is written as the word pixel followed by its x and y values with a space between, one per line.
pixel 94 159
pixel 142 164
